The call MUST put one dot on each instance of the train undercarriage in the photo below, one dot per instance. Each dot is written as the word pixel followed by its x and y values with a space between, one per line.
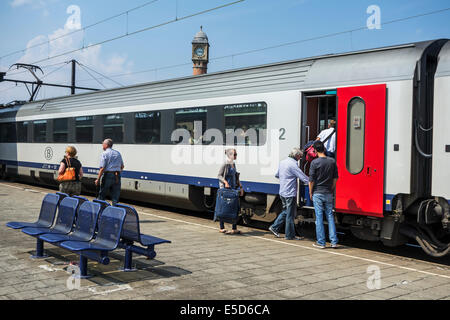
pixel 425 221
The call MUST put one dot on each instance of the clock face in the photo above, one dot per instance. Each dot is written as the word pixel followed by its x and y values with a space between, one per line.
pixel 199 51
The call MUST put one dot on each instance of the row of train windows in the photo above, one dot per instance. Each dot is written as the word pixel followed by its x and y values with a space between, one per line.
pixel 154 127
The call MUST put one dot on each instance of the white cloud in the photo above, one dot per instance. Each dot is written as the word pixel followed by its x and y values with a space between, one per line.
pixel 18 3
pixel 35 3
pixel 93 57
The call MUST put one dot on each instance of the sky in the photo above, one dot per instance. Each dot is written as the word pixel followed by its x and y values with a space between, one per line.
pixel 164 52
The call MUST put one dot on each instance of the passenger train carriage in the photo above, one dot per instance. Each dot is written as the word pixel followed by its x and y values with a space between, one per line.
pixel 393 140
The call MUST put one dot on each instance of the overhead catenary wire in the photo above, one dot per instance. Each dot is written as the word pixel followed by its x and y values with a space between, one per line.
pixel 329 35
pixel 47 42
pixel 9 88
pixel 145 71
pixel 96 79
pixel 248 51
pixel 140 30
pixel 102 75
pixel 56 70
pixel 42 67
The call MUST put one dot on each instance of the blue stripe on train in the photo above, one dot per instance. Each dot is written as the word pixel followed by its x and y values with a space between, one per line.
pixel 249 186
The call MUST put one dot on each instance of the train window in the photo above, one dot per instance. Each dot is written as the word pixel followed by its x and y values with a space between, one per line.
pixel 7 132
pixel 147 127
pixel 84 129
pixel 355 135
pixel 113 127
pixel 22 131
pixel 40 131
pixel 191 119
pixel 245 123
pixel 60 130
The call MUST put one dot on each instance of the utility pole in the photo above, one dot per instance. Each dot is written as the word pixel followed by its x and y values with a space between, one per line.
pixel 72 90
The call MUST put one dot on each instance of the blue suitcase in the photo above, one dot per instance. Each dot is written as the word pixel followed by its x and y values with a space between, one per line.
pixel 227 205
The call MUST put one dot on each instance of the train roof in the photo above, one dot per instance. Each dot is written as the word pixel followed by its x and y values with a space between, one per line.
pixel 327 71
pixel 443 68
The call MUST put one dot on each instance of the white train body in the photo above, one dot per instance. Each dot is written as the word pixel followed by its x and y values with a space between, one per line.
pixel 297 98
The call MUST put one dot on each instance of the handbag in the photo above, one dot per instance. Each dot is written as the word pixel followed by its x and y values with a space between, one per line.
pixel 311 153
pixel 69 173
pixel 227 205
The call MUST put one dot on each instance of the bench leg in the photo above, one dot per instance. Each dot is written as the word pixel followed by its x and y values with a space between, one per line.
pixel 152 255
pixel 128 262
pixel 151 252
pixel 39 250
pixel 83 268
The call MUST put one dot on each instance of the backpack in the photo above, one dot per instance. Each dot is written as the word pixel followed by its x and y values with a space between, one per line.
pixel 311 154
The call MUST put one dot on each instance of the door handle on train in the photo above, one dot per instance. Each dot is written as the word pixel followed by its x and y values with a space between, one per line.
pixel 370 170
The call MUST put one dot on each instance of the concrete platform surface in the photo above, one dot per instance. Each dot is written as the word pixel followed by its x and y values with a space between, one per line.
pixel 202 263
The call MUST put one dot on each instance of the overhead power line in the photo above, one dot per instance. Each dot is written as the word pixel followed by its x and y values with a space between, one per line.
pixel 82 29
pixel 328 35
pixel 42 67
pixel 102 75
pixel 141 30
pixel 96 79
pixel 9 88
pixel 57 69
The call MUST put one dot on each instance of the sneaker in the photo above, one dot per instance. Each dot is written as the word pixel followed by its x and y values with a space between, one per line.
pixel 296 238
pixel 318 246
pixel 274 232
pixel 335 246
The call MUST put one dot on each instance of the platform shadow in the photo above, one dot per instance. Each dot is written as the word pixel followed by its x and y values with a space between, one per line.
pixel 103 275
pixel 151 221
pixel 255 233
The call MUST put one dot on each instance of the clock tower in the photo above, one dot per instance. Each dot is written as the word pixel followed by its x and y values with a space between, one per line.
pixel 200 53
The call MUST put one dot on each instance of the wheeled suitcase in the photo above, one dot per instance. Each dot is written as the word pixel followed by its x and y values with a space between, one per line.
pixel 227 205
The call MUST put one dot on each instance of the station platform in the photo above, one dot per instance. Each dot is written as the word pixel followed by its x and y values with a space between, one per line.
pixel 202 263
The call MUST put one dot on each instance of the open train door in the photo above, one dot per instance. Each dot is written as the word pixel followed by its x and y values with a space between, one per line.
pixel 361 149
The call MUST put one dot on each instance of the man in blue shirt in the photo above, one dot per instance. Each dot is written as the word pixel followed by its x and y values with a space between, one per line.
pixel 288 172
pixel 111 166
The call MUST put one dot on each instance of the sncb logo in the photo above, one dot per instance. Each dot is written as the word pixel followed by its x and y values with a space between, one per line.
pixel 48 153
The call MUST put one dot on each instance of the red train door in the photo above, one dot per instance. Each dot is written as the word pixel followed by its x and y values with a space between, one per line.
pixel 361 149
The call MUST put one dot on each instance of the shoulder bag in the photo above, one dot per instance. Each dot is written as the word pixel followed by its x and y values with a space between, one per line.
pixel 69 173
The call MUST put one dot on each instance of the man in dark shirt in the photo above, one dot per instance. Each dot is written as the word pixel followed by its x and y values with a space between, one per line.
pixel 323 175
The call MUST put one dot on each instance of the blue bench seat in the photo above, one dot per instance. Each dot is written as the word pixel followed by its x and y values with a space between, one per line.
pixel 46 215
pixel 63 225
pixel 131 234
pixel 147 240
pixel 108 236
pixel 64 221
pixel 85 225
pixel 89 229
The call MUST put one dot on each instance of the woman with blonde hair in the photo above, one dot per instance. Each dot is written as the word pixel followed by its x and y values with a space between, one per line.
pixel 229 178
pixel 71 187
